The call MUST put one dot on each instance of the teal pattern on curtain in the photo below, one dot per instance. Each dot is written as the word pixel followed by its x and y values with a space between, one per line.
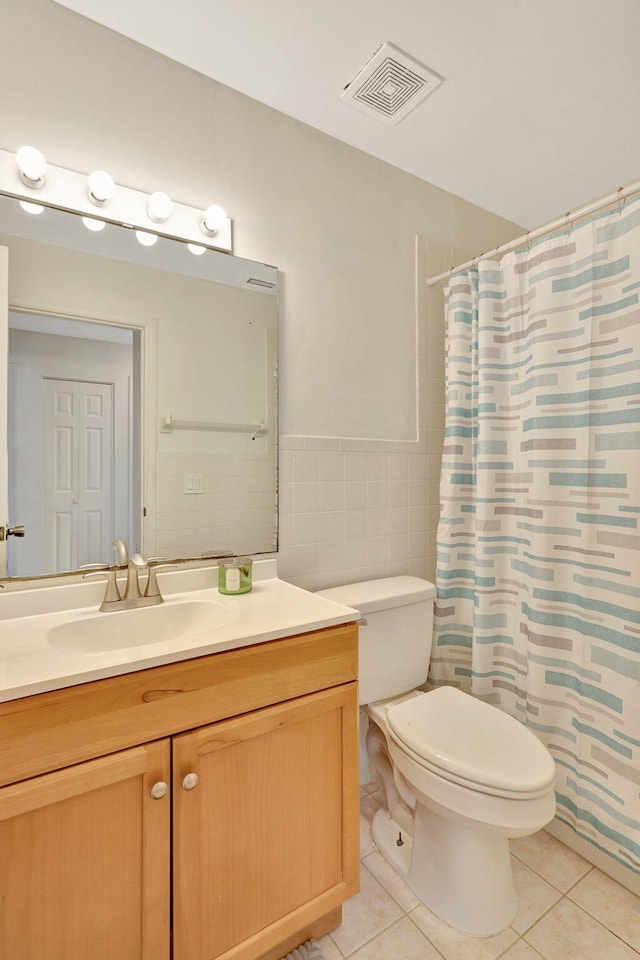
pixel 538 577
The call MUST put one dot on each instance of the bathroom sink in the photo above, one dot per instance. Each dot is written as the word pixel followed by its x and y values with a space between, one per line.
pixel 101 632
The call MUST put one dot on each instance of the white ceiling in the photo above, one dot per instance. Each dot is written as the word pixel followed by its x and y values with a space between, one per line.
pixel 537 115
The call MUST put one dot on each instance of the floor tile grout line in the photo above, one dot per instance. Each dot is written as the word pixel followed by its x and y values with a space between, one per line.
pixel 388 927
pixel 563 895
pixel 512 945
pixel 546 879
pixel 583 877
pixel 405 913
pixel 384 886
pixel 408 913
pixel 371 939
pixel 604 926
pixel 555 904
pixel 618 937
pixel 574 903
pixel 519 936
pixel 417 926
pixel 582 910
pixel 598 920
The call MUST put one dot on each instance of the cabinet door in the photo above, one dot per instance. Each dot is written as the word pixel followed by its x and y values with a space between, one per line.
pixel 266 840
pixel 84 861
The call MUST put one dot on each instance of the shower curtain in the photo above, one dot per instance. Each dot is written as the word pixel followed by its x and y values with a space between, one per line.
pixel 538 578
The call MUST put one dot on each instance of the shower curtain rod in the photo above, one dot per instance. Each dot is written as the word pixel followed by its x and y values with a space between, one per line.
pixel 619 195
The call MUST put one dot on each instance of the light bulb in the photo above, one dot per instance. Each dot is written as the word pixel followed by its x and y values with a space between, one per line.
pixel 215 218
pixel 92 224
pixel 196 249
pixel 32 166
pixel 33 208
pixel 146 239
pixel 159 207
pixel 100 187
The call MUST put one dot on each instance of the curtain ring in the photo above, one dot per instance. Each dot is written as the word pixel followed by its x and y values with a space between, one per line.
pixel 528 241
pixel 568 222
pixel 621 201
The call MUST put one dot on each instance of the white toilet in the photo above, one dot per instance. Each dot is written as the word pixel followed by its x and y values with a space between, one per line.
pixel 459 776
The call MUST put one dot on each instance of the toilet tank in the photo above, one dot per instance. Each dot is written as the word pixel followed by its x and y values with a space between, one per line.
pixel 395 634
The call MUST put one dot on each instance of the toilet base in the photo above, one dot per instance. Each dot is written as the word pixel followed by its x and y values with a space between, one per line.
pixel 385 831
pixel 462 874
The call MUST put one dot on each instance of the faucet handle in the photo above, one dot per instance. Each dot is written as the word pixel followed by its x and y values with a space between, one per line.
pixel 152 589
pixel 112 593
pixel 93 566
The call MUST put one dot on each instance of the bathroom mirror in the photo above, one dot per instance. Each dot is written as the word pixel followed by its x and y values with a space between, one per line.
pixel 142 396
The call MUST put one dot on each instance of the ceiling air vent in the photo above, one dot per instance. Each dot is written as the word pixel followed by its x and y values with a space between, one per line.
pixel 390 85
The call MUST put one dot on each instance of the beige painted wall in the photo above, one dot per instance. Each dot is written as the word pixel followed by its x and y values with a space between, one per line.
pixel 361 354
pixel 339 224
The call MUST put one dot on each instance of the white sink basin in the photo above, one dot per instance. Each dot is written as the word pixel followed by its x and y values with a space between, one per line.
pixel 102 632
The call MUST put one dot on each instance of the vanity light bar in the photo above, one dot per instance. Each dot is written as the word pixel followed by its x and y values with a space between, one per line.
pixel 67 190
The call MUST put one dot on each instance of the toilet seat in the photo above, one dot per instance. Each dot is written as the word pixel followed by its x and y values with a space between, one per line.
pixel 471 743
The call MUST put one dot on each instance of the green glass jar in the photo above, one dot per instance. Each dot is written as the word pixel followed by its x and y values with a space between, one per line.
pixel 234 575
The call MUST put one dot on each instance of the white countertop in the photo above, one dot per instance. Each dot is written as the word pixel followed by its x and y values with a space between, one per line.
pixel 33 659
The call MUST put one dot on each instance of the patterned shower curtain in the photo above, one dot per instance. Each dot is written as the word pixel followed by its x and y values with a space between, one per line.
pixel 538 578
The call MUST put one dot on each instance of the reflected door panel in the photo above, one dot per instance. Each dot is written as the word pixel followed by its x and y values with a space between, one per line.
pixel 70 418
pixel 4 457
pixel 95 472
pixel 78 482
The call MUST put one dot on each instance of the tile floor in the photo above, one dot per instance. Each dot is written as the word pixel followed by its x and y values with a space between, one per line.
pixel 569 910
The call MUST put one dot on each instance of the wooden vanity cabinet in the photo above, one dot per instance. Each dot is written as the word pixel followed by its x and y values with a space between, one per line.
pixel 84 861
pixel 259 841
pixel 243 830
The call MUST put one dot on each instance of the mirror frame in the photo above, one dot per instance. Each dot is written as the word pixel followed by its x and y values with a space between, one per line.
pixel 148 329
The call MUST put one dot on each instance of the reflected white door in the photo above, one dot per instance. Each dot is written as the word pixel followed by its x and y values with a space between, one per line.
pixel 78 465
pixel 4 459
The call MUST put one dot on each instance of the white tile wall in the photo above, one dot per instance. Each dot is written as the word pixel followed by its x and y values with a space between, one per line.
pixel 234 512
pixel 353 509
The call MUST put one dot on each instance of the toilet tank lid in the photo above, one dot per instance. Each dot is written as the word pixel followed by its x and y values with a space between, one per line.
pixel 371 595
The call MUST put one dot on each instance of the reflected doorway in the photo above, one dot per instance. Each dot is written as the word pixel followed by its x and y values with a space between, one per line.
pixel 74 425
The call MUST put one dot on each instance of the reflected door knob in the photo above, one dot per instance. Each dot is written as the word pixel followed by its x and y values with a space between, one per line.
pixel 17 531
pixel 191 781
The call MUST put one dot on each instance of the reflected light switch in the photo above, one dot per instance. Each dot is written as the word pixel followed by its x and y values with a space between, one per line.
pixel 193 483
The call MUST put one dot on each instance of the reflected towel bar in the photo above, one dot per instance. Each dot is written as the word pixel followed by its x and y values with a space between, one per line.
pixel 168 424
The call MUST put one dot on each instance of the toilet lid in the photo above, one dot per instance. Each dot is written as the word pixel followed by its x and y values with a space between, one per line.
pixel 471 741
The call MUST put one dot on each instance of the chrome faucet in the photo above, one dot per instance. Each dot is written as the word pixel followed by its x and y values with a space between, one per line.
pixel 133 596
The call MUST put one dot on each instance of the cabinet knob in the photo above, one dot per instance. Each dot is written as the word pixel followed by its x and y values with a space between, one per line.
pixel 191 781
pixel 159 790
